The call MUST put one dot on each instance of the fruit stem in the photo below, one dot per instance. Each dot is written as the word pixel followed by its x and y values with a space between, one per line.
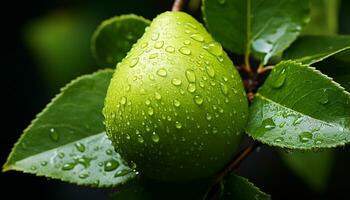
pixel 246 66
pixel 229 168
pixel 178 5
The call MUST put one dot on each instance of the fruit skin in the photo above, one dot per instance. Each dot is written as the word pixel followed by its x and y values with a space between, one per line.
pixel 176 105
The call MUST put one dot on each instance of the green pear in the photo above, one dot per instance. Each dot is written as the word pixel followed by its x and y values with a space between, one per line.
pixel 176 106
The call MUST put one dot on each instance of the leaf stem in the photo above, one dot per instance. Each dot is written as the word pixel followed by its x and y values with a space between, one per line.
pixel 229 168
pixel 263 69
pixel 247 66
pixel 178 5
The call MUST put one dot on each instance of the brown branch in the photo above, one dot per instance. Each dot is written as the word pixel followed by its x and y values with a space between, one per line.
pixel 229 168
pixel 178 5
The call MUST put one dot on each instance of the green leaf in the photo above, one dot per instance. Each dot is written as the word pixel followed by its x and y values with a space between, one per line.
pixel 114 38
pixel 263 27
pixel 312 49
pixel 237 187
pixel 67 141
pixel 314 168
pixel 300 108
pixel 324 18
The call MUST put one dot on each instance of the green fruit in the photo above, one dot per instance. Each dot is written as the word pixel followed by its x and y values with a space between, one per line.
pixel 176 105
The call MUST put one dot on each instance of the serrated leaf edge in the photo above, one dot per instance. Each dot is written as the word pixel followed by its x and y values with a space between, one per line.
pixel 330 79
pixel 7 165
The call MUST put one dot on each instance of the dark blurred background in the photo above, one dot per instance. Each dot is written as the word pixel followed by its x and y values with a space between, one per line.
pixel 46 43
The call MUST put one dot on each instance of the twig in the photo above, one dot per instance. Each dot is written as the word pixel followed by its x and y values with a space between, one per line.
pixel 234 164
pixel 178 5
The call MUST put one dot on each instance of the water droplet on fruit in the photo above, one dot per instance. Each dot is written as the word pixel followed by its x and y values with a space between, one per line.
pixel 197 37
pixel 140 139
pixel 221 2
pixel 176 82
pixel 210 71
pixel 191 76
pixel 133 62
pixel 191 88
pixel 155 36
pixel 153 55
pixel 157 96
pixel 144 45
pixel 187 42
pixel 185 51
pixel 158 44
pixel 176 103
pixel 155 137
pixel 224 89
pixel 198 99
pixel 305 137
pixel 214 48
pixel 80 147
pixel 279 139
pixel 123 100
pixel 170 49
pixel 162 72
pixel 178 125
pixel 208 116
pixel 150 111
pixel 147 102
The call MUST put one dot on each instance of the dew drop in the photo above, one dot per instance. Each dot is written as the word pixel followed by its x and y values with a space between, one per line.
pixel 208 116
pixel 123 100
pixel 198 99
pixel 221 2
pixel 214 48
pixel 280 80
pixel 155 137
pixel 215 130
pixel 187 42
pixel 133 62
pixel 191 76
pixel 176 82
pixel 279 139
pixel 191 88
pixel 224 89
pixel 162 72
pixel 43 163
pixel 80 147
pixel 153 55
pixel 111 165
pixel 109 151
pixel 140 139
pixel 157 96
pixel 210 71
pixel 122 173
pixel 61 155
pixel 83 175
pixel 158 44
pixel 323 99
pixel 54 135
pixel 305 137
pixel 185 51
pixel 155 36
pixel 150 111
pixel 144 45
pixel 68 166
pixel 147 102
pixel 178 125
pixel 177 103
pixel 197 37
pixel 268 124
pixel 170 49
